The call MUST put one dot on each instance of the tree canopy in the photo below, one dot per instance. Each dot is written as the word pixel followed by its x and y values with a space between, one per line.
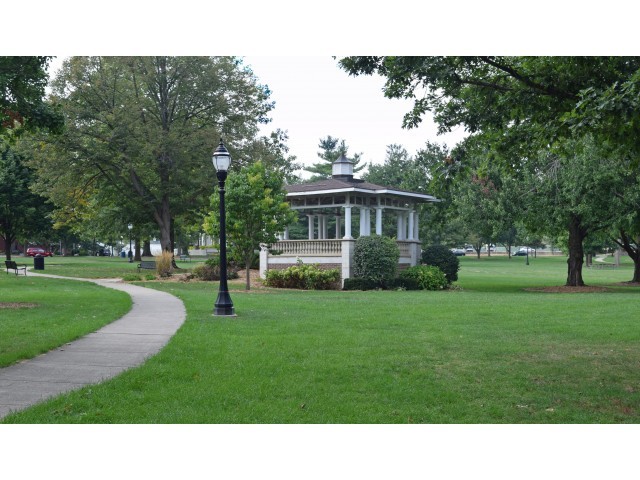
pixel 144 128
pixel 256 208
pixel 22 90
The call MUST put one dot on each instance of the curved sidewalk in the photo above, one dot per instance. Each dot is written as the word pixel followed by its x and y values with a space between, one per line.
pixel 153 319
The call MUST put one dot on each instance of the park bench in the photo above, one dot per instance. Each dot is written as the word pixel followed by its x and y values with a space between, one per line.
pixel 11 265
pixel 185 258
pixel 147 265
pixel 599 265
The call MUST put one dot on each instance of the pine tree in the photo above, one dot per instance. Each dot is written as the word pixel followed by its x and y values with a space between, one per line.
pixel 330 149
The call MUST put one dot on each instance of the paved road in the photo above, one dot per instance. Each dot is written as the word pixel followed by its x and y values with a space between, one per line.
pixel 125 343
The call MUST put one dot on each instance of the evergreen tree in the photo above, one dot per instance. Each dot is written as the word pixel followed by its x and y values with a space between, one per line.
pixel 330 150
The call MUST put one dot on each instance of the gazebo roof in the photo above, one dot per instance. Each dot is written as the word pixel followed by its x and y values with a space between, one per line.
pixel 339 186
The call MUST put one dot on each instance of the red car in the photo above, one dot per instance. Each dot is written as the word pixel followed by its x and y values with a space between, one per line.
pixel 33 251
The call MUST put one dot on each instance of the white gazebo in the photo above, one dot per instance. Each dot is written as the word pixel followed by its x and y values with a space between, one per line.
pixel 338 197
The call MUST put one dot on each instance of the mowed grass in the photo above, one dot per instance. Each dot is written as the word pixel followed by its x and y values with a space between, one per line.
pixel 96 267
pixel 486 352
pixel 39 314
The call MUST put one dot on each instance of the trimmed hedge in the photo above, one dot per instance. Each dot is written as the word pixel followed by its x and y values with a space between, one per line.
pixel 443 258
pixel 394 284
pixel 428 277
pixel 375 258
pixel 304 277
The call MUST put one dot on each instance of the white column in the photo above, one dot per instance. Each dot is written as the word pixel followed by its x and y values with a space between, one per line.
pixel 401 228
pixel 379 221
pixel 411 212
pixel 286 232
pixel 325 226
pixel 363 221
pixel 416 227
pixel 311 222
pixel 367 214
pixel 347 223
pixel 338 226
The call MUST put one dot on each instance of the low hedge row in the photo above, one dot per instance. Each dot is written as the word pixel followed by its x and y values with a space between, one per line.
pixel 304 277
pixel 420 277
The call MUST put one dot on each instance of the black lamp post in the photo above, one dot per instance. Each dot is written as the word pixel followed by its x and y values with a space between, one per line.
pixel 130 252
pixel 221 161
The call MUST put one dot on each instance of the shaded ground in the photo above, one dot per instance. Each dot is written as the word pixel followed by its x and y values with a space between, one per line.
pixel 565 289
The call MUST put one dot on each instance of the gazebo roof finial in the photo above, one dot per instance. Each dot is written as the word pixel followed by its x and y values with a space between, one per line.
pixel 342 168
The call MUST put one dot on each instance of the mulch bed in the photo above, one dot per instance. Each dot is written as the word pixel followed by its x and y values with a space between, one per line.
pixel 14 305
pixel 565 289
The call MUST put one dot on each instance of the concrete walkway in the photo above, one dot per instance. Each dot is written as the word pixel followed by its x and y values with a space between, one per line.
pixel 153 319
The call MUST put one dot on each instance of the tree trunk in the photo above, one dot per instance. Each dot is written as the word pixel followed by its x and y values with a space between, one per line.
pixel 8 245
pixel 136 252
pixel 576 253
pixel 247 262
pixel 146 248
pixel 633 252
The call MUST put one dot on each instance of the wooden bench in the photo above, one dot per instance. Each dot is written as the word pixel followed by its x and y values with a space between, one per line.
pixel 147 265
pixel 185 258
pixel 11 265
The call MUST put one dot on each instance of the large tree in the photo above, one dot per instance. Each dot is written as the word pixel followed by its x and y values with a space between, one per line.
pixel 22 90
pixel 519 105
pixel 23 213
pixel 146 126
pixel 256 211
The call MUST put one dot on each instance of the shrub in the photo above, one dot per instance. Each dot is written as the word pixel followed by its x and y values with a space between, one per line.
pixel 210 271
pixel 443 258
pixel 131 277
pixel 304 277
pixel 149 276
pixel 428 277
pixel 359 284
pixel 164 264
pixel 376 258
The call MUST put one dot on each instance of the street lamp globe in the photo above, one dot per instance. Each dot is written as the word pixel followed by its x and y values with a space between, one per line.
pixel 221 158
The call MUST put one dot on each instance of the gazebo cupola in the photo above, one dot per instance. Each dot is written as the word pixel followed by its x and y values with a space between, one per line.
pixel 342 169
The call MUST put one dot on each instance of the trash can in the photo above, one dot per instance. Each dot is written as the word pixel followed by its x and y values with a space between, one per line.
pixel 38 262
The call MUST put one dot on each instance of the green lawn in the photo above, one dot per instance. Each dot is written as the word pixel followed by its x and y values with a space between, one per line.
pixel 95 267
pixel 38 314
pixel 486 352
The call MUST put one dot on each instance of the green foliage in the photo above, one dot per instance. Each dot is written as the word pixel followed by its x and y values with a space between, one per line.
pixel 256 211
pixel 399 283
pixel 22 89
pixel 375 258
pixel 428 277
pixel 23 213
pixel 305 277
pixel 440 256
pixel 131 277
pixel 153 123
pixel 210 270
pixel 331 149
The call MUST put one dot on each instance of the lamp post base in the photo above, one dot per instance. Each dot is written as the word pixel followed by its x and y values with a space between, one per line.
pixel 224 312
pixel 224 306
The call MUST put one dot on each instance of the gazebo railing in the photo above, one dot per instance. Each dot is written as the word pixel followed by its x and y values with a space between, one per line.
pixel 308 247
pixel 405 248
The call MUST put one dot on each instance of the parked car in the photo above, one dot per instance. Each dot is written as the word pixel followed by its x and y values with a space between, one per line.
pixel 469 249
pixel 33 251
pixel 523 252
pixel 458 252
